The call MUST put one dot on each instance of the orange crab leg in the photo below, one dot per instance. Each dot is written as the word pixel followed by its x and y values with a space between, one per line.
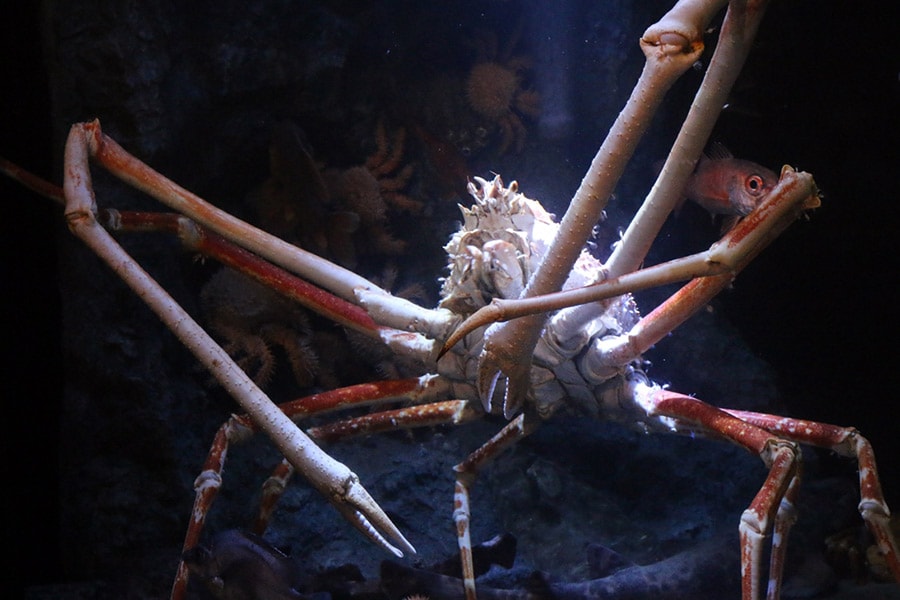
pixel 32 182
pixel 846 441
pixel 452 412
pixel 199 239
pixel 522 426
pixel 772 511
pixel 772 508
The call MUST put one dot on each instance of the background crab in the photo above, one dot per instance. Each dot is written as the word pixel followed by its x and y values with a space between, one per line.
pixel 785 333
pixel 496 89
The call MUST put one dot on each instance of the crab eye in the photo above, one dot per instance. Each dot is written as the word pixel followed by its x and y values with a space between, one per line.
pixel 755 184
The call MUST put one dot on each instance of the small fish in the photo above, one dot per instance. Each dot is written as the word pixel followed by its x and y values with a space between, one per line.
pixel 725 185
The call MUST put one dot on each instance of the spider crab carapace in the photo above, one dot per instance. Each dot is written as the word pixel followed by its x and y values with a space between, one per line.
pixel 509 356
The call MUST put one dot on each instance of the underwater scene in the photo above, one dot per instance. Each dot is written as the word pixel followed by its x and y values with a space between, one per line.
pixel 429 152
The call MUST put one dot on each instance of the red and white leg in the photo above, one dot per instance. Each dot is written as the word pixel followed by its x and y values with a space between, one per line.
pixel 240 427
pixel 445 412
pixel 772 508
pixel 523 425
pixel 846 441
pixel 776 440
pixel 438 413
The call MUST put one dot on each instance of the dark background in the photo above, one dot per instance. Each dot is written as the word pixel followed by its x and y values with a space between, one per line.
pixel 31 308
pixel 820 306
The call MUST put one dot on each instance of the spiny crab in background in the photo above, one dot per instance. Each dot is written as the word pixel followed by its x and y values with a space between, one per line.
pixel 529 323
pixel 340 214
pixel 495 91
pixel 337 213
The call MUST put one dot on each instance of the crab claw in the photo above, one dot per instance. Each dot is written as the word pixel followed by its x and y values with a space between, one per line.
pixel 360 509
pixel 335 481
pixel 507 354
pixel 489 375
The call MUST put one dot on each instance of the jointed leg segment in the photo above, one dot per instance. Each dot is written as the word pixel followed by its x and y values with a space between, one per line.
pixel 775 439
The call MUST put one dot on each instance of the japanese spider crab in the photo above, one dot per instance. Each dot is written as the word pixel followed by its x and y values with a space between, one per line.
pixel 527 366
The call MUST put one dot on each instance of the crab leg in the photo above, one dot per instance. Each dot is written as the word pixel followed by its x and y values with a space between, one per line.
pixel 846 441
pixel 332 478
pixel 772 508
pixel 772 511
pixel 738 30
pixel 671 47
pixel 198 239
pixel 522 426
pixel 32 182
pixel 240 427
pixel 336 279
pixel 375 304
pixel 378 314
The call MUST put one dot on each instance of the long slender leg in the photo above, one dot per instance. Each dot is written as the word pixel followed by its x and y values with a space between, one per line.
pixel 239 427
pixel 448 412
pixel 196 238
pixel 784 520
pixel 466 471
pixel 206 487
pixel 848 442
pixel 671 46
pixel 771 508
